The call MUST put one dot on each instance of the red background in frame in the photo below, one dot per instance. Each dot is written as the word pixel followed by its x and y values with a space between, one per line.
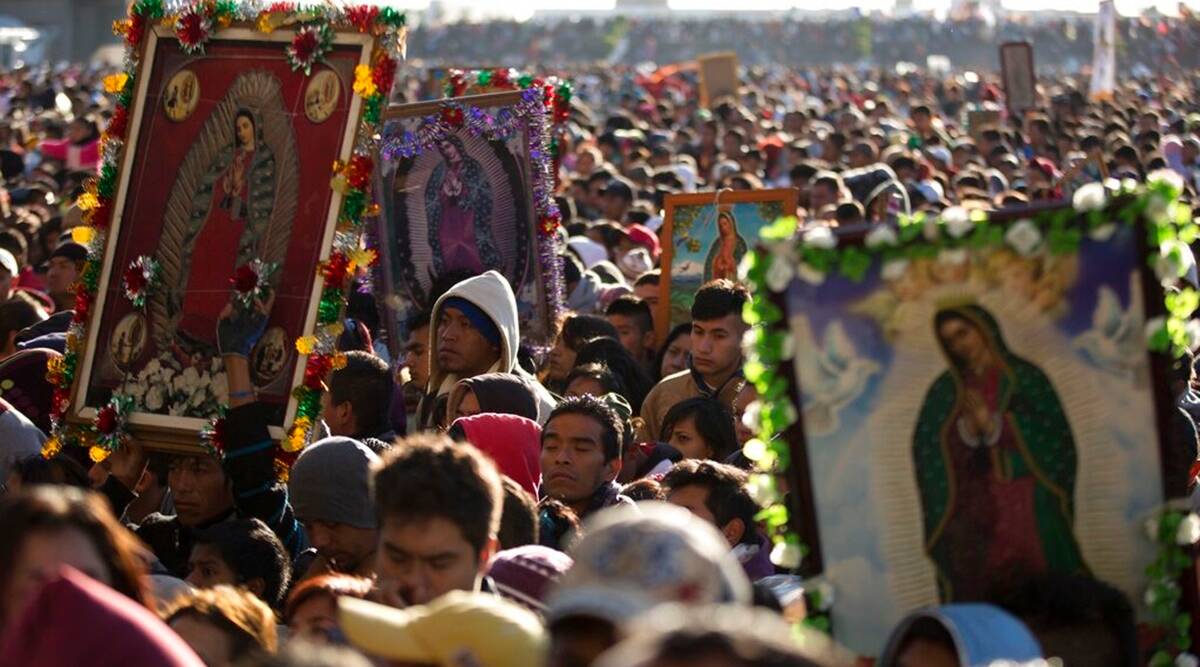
pixel 163 144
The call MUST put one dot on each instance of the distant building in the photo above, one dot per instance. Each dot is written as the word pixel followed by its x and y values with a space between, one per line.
pixel 70 29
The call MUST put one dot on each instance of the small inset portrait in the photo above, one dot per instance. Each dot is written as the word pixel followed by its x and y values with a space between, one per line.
pixel 181 95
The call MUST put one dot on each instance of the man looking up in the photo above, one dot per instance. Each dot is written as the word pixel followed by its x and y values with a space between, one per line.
pixel 581 455
pixel 473 330
pixel 438 505
pixel 717 330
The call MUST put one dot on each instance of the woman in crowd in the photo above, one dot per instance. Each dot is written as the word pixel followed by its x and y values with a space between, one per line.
pixel 311 610
pixel 700 428
pixel 45 527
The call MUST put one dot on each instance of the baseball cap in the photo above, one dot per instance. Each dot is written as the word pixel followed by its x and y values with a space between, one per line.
pixel 642 236
pixel 460 627
pixel 71 250
pixel 9 263
pixel 633 558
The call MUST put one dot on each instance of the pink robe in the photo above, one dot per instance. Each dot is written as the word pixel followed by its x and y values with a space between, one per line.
pixel 214 253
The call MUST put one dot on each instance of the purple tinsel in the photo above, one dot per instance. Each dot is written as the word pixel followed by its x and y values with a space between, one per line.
pixel 528 116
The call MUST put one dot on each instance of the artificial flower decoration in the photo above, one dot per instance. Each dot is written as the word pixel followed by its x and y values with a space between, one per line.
pixel 309 47
pixel 251 281
pixel 115 83
pixel 364 81
pixel 212 436
pixel 140 279
pixel 193 28
pixel 109 426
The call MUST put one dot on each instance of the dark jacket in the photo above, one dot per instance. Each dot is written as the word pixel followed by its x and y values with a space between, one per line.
pixel 250 466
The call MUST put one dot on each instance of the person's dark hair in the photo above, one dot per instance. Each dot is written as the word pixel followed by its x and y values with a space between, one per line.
pixel 712 421
pixel 609 420
pixel 246 621
pixel 921 110
pixel 416 320
pixel 572 268
pixel 601 374
pixel 849 212
pixel 14 242
pixel 62 470
pixel 718 299
pixel 557 524
pixel 1057 604
pixel 519 518
pixel 366 382
pixel 728 495
pixel 252 551
pixel 430 476
pixel 628 305
pixel 51 509
pixel 17 314
pixel 644 489
pixel 613 356
pixel 927 629
pixel 579 329
pixel 651 277
pixel 681 329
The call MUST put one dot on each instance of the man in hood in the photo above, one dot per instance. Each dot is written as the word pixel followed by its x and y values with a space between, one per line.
pixel 474 330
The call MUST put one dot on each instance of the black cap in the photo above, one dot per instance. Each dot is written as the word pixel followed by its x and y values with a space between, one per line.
pixel 70 250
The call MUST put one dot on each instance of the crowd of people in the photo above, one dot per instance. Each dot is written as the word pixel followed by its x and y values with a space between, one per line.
pixel 1061 44
pixel 476 502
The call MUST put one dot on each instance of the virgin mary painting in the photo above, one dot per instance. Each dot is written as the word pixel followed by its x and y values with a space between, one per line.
pixel 995 463
pixel 458 205
pixel 229 212
pixel 726 251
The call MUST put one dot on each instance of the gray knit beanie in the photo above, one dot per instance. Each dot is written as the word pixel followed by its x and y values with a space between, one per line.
pixel 329 482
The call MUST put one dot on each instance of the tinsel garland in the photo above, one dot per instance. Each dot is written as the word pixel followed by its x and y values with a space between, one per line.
pixel 527 117
pixel 195 23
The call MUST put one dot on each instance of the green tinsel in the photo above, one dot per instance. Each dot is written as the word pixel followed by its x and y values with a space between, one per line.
pixel 565 91
pixel 150 9
pixel 330 308
pixel 353 206
pixel 525 81
pixel 390 17
pixel 485 77
pixel 107 182
pixel 70 360
pixel 90 276
pixel 225 8
pixel 372 109
pixel 309 404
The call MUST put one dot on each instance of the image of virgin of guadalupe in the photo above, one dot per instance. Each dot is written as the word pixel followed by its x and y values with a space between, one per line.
pixel 995 464
pixel 726 251
pixel 458 207
pixel 229 212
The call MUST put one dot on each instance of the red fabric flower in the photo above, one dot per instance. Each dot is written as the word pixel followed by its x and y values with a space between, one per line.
pixel 384 73
pixel 83 304
pixel 362 17
pixel 116 124
pixel 137 30
pixel 315 370
pixel 458 84
pixel 358 171
pixel 59 402
pixel 453 116
pixel 335 270
pixel 101 214
pixel 106 420
pixel 135 278
pixel 192 30
pixel 500 78
pixel 245 280
pixel 304 45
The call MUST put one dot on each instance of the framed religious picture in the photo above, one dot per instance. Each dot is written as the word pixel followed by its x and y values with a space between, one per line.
pixel 705 235
pixel 718 77
pixel 1020 79
pixel 212 213
pixel 977 405
pixel 465 186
